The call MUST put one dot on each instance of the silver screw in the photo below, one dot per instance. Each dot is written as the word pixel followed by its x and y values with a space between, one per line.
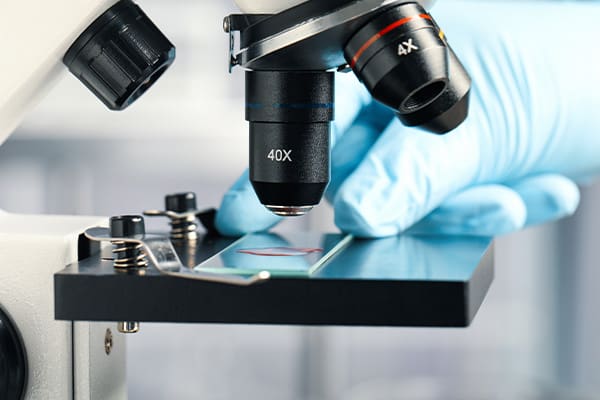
pixel 128 327
pixel 226 24
pixel 108 342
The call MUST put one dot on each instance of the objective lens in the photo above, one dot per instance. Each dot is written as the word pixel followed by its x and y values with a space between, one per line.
pixel 403 59
pixel 290 115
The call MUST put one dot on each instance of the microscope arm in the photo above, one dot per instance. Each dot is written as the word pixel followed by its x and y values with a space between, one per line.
pixel 111 46
pixel 33 40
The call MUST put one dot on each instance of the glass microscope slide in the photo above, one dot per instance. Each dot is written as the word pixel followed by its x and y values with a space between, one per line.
pixel 285 255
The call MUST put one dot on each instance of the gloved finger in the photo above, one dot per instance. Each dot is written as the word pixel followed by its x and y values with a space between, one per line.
pixel 349 152
pixel 548 197
pixel 350 99
pixel 354 141
pixel 486 210
pixel 405 175
pixel 353 104
pixel 492 210
pixel 241 212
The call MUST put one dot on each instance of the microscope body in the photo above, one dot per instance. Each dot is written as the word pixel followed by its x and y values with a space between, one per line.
pixel 41 358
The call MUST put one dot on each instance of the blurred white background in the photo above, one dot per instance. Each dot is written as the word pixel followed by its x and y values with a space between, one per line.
pixel 536 335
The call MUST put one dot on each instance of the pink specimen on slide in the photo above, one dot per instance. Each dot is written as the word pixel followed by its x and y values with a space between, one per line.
pixel 280 251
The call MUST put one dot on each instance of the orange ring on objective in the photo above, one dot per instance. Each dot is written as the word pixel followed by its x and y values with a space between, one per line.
pixel 382 33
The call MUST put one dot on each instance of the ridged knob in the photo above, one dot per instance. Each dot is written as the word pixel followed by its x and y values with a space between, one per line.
pixel 120 55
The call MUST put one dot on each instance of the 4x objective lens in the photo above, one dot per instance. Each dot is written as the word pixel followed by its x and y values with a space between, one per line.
pixel 403 59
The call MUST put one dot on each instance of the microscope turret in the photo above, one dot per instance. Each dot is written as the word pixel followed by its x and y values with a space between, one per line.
pixel 393 46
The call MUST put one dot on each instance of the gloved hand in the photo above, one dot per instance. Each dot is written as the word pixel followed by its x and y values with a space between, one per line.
pixel 534 125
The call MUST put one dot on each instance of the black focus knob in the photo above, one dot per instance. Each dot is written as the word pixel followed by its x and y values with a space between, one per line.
pixel 120 55
pixel 181 202
pixel 13 361
pixel 125 226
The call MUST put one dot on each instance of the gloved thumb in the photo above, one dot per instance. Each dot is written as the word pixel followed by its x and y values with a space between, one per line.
pixel 241 212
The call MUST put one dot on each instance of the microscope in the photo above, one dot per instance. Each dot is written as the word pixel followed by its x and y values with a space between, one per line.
pixel 71 287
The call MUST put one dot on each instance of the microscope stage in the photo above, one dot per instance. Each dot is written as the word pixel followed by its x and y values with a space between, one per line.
pixel 315 279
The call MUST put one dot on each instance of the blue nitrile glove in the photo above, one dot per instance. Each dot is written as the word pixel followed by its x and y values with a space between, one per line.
pixel 534 125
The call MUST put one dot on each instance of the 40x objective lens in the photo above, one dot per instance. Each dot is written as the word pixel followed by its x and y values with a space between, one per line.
pixel 290 115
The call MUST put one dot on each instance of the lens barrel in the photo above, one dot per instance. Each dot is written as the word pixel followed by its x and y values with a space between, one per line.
pixel 289 114
pixel 403 59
